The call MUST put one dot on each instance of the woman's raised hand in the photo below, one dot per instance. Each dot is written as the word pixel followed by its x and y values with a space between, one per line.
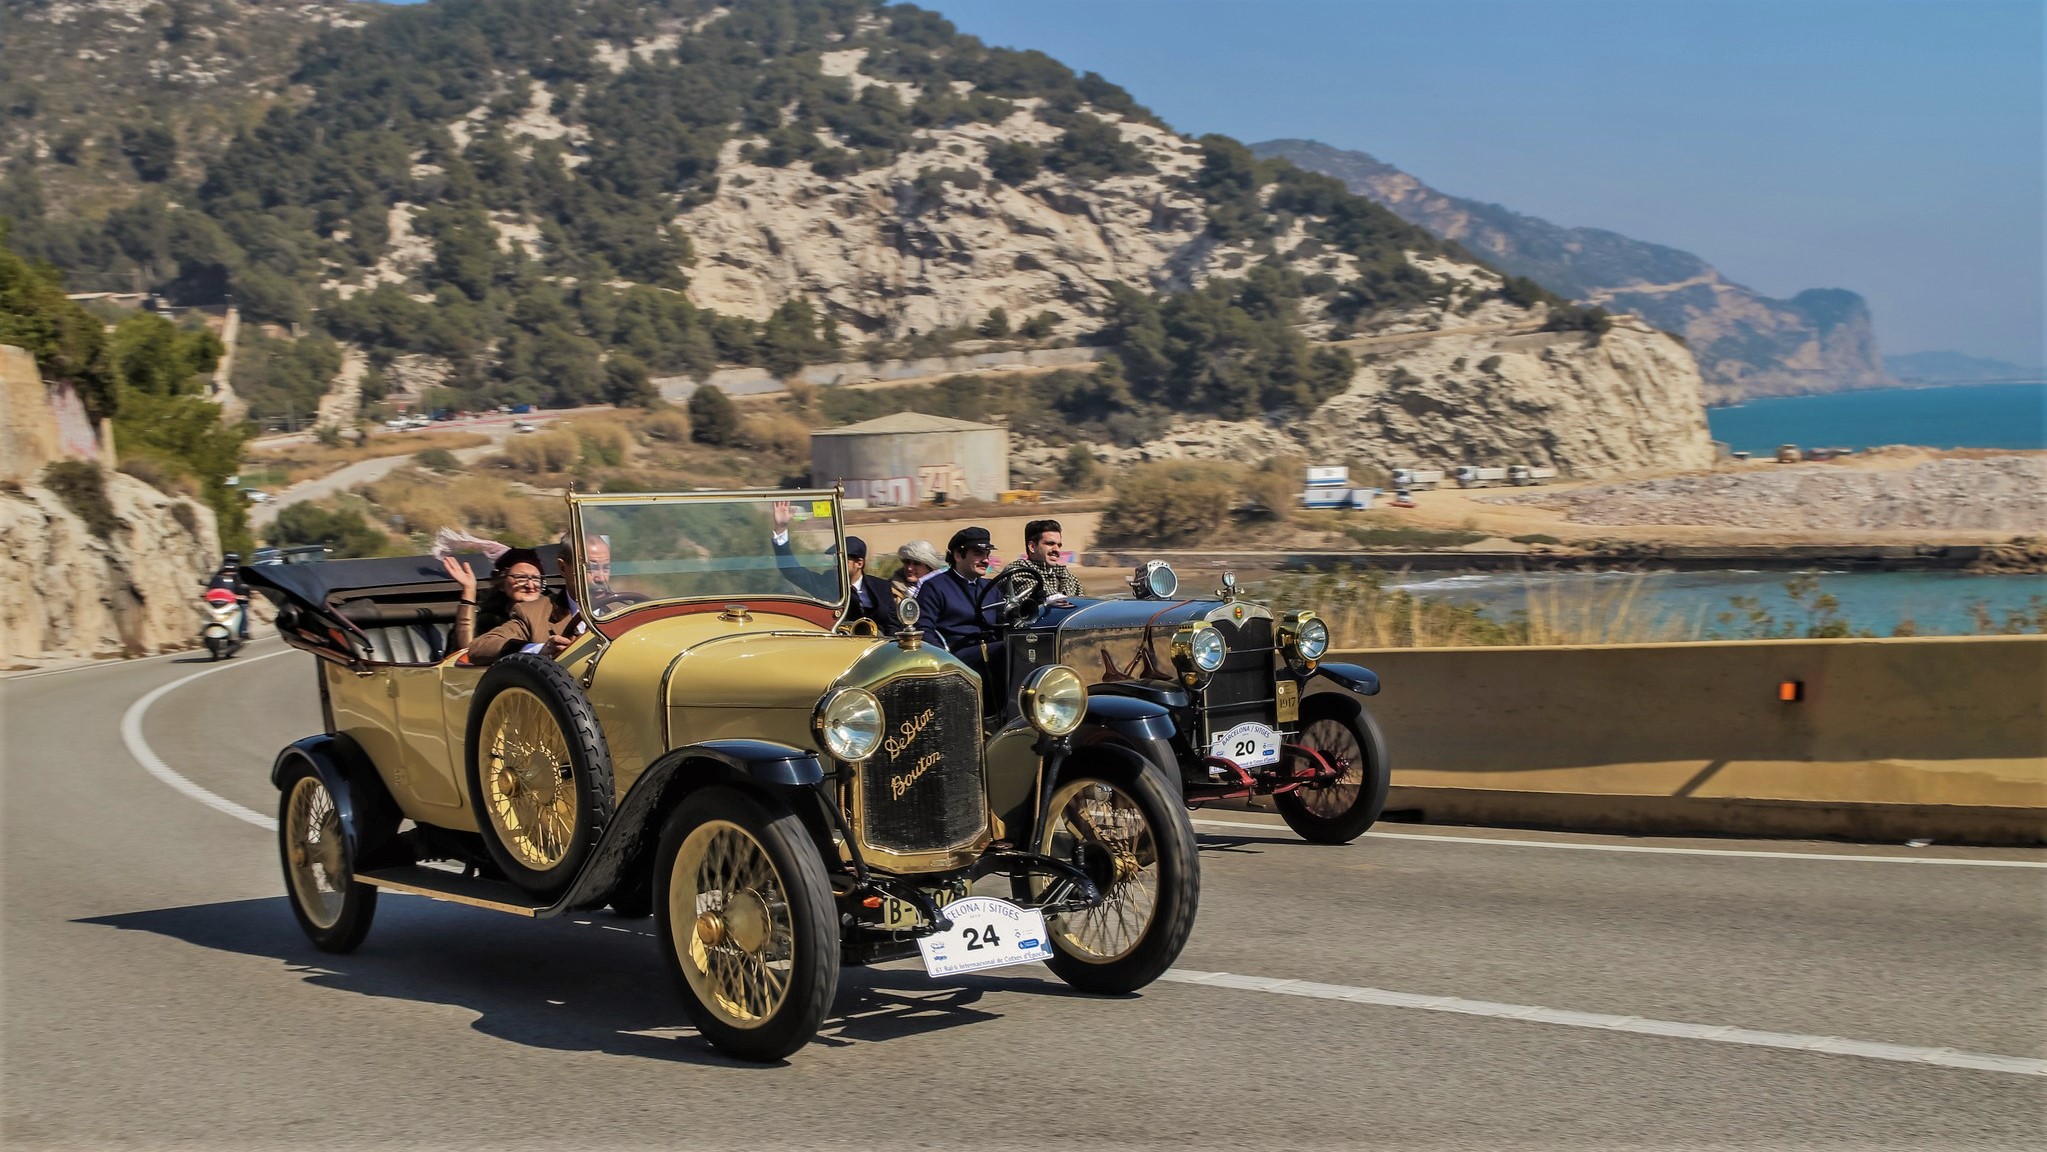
pixel 460 572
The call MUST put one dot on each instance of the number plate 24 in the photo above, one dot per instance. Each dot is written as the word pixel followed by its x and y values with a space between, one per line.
pixel 985 933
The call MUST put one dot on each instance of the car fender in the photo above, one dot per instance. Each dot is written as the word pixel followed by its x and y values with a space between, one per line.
pixel 755 765
pixel 1144 727
pixel 361 801
pixel 1354 677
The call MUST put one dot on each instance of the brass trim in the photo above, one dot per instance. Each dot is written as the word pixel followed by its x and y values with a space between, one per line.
pixel 1192 674
pixel 950 856
pixel 450 897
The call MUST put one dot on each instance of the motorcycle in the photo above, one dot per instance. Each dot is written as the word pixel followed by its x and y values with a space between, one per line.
pixel 222 630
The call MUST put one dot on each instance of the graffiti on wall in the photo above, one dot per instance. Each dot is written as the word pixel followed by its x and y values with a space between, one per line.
pixel 930 482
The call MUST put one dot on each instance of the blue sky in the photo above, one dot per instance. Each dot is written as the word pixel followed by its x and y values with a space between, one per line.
pixel 1893 147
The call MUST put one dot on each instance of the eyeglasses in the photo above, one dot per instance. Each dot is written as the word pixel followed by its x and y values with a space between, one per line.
pixel 521 579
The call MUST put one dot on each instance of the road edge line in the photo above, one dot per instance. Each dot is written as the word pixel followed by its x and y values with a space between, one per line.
pixel 131 735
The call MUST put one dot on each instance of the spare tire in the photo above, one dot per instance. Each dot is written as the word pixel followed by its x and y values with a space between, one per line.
pixel 539 772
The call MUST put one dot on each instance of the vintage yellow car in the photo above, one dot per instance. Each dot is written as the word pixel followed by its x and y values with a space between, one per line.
pixel 784 794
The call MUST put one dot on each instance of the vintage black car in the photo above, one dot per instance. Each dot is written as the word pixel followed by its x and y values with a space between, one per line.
pixel 1237 679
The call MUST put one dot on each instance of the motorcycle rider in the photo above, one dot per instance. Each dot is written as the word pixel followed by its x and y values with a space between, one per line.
pixel 228 577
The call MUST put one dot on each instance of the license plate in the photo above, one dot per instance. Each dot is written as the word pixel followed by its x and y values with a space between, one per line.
pixel 1248 745
pixel 899 915
pixel 986 933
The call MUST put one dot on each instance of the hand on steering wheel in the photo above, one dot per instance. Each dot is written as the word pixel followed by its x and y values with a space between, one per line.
pixel 1023 592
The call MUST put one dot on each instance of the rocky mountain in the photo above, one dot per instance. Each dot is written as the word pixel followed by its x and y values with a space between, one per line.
pixel 103 102
pixel 1746 344
pixel 1957 368
pixel 548 201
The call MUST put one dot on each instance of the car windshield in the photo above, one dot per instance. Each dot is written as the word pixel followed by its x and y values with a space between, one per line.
pixel 691 547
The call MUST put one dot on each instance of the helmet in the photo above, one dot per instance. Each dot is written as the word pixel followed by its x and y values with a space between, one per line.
pixel 231 558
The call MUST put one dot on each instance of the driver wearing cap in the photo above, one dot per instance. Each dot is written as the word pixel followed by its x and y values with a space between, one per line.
pixel 958 606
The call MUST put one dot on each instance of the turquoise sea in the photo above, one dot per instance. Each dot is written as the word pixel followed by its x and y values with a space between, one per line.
pixel 1961 416
pixel 1937 603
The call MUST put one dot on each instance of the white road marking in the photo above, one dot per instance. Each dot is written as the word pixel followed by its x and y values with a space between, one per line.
pixel 131 735
pixel 110 662
pixel 1657 850
pixel 1719 1034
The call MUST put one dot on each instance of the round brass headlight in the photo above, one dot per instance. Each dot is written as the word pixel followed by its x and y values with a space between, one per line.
pixel 1199 649
pixel 849 721
pixel 1053 699
pixel 1303 637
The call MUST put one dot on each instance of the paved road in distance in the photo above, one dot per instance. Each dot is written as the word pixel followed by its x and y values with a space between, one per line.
pixel 157 993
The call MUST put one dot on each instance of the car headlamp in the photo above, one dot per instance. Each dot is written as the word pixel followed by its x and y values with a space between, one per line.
pixel 1053 699
pixel 1155 580
pixel 849 721
pixel 1303 637
pixel 1198 650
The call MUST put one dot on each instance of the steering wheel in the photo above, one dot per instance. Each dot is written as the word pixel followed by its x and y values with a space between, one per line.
pixel 1022 591
pixel 617 602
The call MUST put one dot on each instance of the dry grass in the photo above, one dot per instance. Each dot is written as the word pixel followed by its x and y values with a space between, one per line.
pixel 282 467
pixel 1362 612
pixel 417 503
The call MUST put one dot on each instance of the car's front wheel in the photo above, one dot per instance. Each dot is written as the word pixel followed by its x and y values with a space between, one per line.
pixel 744 912
pixel 333 908
pixel 1121 823
pixel 1338 810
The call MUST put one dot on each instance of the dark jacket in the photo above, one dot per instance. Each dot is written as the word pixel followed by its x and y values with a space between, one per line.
pixel 947 601
pixel 531 622
pixel 881 607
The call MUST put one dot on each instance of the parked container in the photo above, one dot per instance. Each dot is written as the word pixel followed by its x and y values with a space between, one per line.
pixel 1471 476
pixel 1417 478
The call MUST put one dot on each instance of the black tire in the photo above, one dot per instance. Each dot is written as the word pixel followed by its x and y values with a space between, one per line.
pixel 545 860
pixel 333 908
pixel 1084 953
pixel 634 899
pixel 794 923
pixel 1339 813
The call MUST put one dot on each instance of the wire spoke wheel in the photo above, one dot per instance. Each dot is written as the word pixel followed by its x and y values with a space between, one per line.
pixel 528 782
pixel 730 917
pixel 316 856
pixel 1101 827
pixel 1337 743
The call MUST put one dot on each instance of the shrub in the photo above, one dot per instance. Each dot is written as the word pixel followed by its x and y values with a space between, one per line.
pixel 668 426
pixel 712 418
pixel 162 475
pixel 1080 471
pixel 186 518
pixel 781 432
pixel 1274 487
pixel 601 445
pixel 342 529
pixel 1170 502
pixel 438 459
pixel 996 326
pixel 545 452
pixel 328 435
pixel 83 488
pixel 1014 162
pixel 1038 327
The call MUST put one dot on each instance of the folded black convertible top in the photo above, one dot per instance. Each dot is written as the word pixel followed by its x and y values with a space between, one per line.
pixel 318 584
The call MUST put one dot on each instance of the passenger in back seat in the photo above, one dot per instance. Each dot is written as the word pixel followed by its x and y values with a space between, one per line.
pixel 539 622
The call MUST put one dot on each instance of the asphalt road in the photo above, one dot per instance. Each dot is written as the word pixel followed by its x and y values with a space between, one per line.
pixel 157 992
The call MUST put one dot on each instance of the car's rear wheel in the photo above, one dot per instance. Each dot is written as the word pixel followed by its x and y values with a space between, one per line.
pixel 333 908
pixel 539 772
pixel 1122 825
pixel 744 912
pixel 1338 811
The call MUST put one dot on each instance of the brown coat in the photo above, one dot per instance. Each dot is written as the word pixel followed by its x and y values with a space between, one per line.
pixel 531 621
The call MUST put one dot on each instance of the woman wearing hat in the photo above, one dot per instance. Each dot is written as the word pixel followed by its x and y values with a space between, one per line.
pixel 536 622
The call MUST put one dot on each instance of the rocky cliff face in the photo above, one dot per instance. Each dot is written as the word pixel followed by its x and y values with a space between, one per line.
pixel 1747 344
pixel 131 591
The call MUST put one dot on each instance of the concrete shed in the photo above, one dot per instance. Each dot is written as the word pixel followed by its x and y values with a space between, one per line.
pixel 911 458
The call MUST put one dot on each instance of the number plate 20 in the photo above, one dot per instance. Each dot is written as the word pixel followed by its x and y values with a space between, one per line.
pixel 1248 744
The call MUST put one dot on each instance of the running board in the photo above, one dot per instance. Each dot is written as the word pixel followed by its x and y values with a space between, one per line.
pixel 454 887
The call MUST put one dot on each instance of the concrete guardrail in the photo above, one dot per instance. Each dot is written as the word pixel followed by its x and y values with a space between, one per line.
pixel 1892 739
